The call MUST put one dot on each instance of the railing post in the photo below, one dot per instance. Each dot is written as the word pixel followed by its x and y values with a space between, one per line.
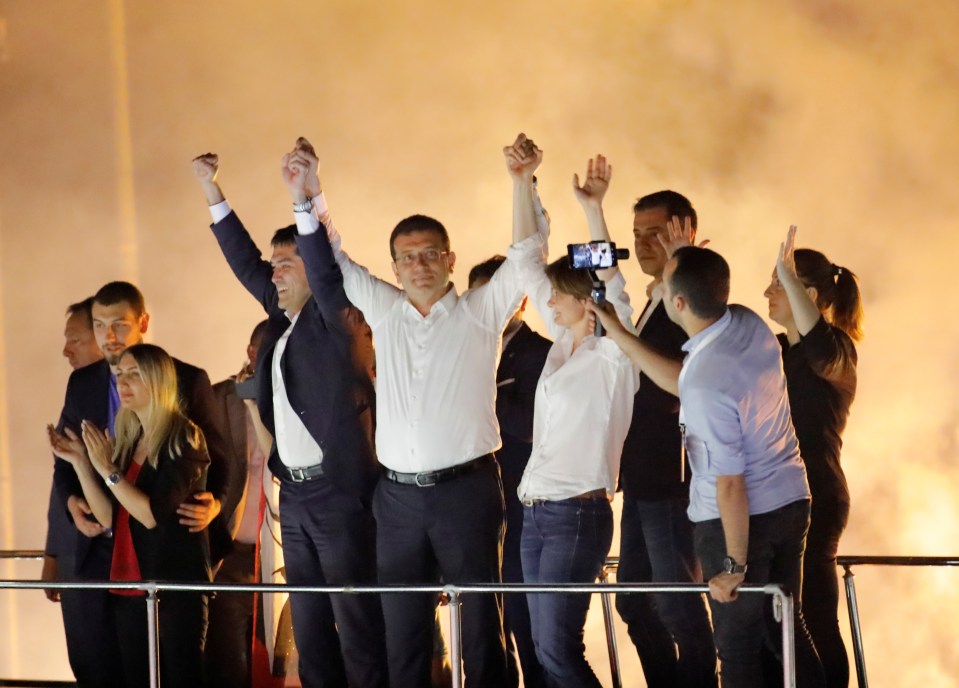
pixel 456 638
pixel 153 637
pixel 784 612
pixel 858 652
pixel 608 620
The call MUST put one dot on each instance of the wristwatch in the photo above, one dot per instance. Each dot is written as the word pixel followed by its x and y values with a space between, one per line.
pixel 304 207
pixel 113 479
pixel 730 566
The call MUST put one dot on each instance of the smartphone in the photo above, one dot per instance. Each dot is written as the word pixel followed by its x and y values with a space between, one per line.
pixel 594 255
pixel 247 388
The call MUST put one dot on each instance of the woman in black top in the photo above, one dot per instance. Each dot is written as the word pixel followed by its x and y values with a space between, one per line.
pixel 820 306
pixel 134 485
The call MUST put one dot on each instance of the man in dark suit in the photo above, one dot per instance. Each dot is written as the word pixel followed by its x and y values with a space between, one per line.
pixel 671 633
pixel 521 364
pixel 80 349
pixel 120 320
pixel 230 634
pixel 315 395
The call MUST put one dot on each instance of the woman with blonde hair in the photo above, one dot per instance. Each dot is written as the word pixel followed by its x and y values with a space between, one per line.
pixel 134 485
pixel 819 304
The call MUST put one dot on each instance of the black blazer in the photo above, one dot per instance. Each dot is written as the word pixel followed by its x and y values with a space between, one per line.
pixel 87 398
pixel 522 362
pixel 650 467
pixel 328 361
pixel 170 551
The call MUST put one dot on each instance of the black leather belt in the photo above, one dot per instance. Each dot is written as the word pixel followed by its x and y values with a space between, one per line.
pixel 300 475
pixel 598 495
pixel 430 478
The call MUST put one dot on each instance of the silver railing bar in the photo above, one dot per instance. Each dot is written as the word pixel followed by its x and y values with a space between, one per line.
pixel 780 599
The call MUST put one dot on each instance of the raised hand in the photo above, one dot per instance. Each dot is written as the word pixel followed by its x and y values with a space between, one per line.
pixel 300 171
pixel 205 167
pixel 522 159
pixel 66 445
pixel 99 447
pixel 679 233
pixel 598 174
pixel 786 263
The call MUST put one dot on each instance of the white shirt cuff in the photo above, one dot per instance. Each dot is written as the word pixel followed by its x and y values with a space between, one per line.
pixel 220 211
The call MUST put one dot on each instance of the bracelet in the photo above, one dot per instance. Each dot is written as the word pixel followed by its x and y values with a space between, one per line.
pixel 304 207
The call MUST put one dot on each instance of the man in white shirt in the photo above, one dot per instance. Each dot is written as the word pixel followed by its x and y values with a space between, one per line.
pixel 439 504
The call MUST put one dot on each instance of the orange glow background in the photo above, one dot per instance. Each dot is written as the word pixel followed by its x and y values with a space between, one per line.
pixel 840 117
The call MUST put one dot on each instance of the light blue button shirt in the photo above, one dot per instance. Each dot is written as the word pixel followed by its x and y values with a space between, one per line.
pixel 735 411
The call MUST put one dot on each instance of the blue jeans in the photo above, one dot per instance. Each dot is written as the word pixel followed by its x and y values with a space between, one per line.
pixel 656 545
pixel 564 542
pixel 743 627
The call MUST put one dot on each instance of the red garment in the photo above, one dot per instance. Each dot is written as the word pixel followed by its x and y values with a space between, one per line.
pixel 125 566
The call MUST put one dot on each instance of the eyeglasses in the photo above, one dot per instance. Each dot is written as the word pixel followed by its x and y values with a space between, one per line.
pixel 430 255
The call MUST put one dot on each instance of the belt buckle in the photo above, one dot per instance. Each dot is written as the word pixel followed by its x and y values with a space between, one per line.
pixel 431 483
pixel 297 475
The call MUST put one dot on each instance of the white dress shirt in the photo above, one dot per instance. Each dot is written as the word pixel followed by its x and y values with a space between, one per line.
pixel 435 374
pixel 583 406
pixel 294 443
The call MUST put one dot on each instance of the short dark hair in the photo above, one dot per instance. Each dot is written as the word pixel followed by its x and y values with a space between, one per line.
pixel 257 335
pixel 285 236
pixel 702 278
pixel 419 223
pixel 82 308
pixel 565 279
pixel 113 293
pixel 485 270
pixel 672 202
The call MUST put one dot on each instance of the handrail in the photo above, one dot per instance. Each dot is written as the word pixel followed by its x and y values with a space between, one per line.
pixel 21 554
pixel 782 603
pixel 852 602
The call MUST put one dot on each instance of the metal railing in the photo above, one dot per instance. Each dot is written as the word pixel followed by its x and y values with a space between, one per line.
pixel 852 603
pixel 782 605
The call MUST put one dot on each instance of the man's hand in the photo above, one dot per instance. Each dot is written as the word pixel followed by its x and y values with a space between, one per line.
pixel 199 514
pixel 607 316
pixel 79 509
pixel 522 159
pixel 598 174
pixel 724 587
pixel 49 573
pixel 300 171
pixel 679 233
pixel 205 168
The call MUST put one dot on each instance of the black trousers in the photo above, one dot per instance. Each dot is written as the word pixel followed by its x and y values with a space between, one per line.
pixel 329 539
pixel 92 645
pixel 452 530
pixel 229 639
pixel 182 623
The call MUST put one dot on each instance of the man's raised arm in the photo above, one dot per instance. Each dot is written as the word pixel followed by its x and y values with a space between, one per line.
pixel 244 258
pixel 371 295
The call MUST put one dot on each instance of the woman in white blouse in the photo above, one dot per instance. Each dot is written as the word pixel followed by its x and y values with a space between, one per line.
pixel 582 411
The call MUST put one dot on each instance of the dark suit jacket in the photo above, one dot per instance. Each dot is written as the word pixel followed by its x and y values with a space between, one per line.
pixel 328 361
pixel 650 467
pixel 87 398
pixel 234 436
pixel 170 551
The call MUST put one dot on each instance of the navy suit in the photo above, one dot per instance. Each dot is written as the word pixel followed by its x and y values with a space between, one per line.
pixel 91 644
pixel 326 523
pixel 516 378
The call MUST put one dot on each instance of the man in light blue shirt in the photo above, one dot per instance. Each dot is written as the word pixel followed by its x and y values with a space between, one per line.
pixel 749 499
